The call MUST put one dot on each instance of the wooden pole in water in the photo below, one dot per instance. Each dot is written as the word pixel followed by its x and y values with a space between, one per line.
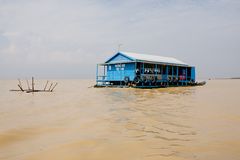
pixel 28 84
pixel 45 86
pixel 20 87
pixel 20 84
pixel 50 86
pixel 54 87
pixel 32 84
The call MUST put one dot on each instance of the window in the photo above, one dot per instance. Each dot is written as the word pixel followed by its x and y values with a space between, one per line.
pixel 109 68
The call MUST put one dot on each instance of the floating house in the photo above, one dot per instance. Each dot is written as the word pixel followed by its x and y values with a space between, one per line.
pixel 142 70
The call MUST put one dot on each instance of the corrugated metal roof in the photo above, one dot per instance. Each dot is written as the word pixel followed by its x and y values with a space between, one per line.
pixel 152 58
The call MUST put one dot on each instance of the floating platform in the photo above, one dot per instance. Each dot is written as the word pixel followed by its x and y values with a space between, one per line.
pixel 151 86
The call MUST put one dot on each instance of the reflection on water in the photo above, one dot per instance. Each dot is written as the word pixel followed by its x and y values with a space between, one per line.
pixel 159 117
pixel 77 122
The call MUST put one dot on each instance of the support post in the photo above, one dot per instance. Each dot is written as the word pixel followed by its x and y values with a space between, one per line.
pixel 161 69
pixel 155 74
pixel 161 72
pixel 143 71
pixel 28 84
pixel 20 87
pixel 186 75
pixel 177 71
pixel 136 69
pixel 167 73
pixel 50 87
pixel 97 73
pixel 32 84
pixel 54 87
pixel 45 86
pixel 20 84
pixel 177 75
pixel 104 67
pixel 155 69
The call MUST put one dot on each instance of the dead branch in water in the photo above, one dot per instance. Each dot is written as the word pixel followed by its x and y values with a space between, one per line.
pixel 31 90
pixel 19 83
pixel 32 84
pixel 20 87
pixel 28 84
pixel 45 86
pixel 54 87
pixel 50 86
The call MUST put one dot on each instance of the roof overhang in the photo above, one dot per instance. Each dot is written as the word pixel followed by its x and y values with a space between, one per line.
pixel 120 62
pixel 143 58
pixel 163 63
pixel 149 62
pixel 119 53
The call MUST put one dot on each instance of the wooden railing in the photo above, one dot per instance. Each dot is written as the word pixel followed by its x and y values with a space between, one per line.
pixel 164 77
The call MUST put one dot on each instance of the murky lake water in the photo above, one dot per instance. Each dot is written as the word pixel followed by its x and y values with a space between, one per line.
pixel 77 122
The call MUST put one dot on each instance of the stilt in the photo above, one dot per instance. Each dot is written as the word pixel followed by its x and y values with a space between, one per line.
pixel 20 84
pixel 54 87
pixel 50 86
pixel 45 86
pixel 32 84
pixel 28 84
pixel 20 87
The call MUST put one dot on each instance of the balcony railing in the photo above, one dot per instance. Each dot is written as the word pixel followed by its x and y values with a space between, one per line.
pixel 152 77
pixel 164 77
pixel 101 78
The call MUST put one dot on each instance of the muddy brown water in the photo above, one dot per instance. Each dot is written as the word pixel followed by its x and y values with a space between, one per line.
pixel 77 122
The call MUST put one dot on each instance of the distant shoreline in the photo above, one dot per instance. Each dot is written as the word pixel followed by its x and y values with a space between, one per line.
pixel 224 78
pixel 235 78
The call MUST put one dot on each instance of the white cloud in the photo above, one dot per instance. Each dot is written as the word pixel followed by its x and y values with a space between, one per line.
pixel 36 36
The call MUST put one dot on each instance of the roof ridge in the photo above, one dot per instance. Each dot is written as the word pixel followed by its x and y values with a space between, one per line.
pixel 153 58
pixel 133 54
pixel 144 54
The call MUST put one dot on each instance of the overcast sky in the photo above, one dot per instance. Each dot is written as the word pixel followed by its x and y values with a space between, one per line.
pixel 66 38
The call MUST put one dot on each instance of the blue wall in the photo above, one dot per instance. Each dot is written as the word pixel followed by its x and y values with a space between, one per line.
pixel 119 58
pixel 117 72
pixel 126 68
pixel 193 77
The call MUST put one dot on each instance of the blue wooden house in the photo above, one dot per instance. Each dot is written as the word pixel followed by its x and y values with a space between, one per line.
pixel 142 70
